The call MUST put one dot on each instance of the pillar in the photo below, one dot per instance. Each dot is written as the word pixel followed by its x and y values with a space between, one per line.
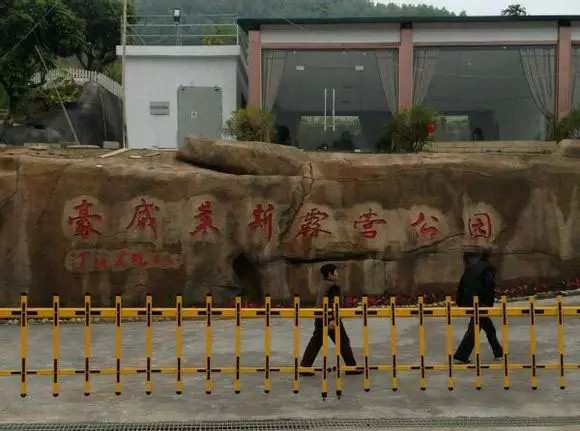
pixel 406 67
pixel 564 70
pixel 255 69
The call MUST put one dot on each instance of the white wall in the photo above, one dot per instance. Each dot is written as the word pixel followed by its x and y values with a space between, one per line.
pixel 484 32
pixel 155 77
pixel 330 34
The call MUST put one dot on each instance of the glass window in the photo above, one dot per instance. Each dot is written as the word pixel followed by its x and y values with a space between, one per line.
pixel 488 93
pixel 335 99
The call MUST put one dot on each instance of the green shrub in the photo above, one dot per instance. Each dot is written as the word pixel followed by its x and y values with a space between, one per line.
pixel 407 130
pixel 250 124
pixel 69 92
pixel 569 126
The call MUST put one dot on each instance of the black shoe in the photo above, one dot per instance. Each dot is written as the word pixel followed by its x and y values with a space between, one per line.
pixel 307 374
pixel 354 372
pixel 461 361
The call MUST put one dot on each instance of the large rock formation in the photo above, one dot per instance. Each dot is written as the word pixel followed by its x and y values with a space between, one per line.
pixel 255 218
pixel 96 117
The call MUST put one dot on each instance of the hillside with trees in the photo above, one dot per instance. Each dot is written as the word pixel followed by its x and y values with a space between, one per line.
pixel 287 8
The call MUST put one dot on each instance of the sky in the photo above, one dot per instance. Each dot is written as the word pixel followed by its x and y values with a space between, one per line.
pixel 493 7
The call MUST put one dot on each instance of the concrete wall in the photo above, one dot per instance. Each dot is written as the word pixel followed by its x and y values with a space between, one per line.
pixel 339 33
pixel 461 33
pixel 154 73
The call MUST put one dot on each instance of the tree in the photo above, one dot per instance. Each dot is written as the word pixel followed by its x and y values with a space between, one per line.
pixel 102 20
pixel 287 8
pixel 514 10
pixel 28 25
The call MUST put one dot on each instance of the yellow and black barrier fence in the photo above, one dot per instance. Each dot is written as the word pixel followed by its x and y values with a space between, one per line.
pixel 421 312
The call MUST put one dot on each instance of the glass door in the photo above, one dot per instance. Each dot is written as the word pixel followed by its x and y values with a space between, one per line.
pixel 327 100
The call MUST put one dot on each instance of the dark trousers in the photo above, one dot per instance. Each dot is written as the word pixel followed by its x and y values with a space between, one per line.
pixel 464 350
pixel 316 343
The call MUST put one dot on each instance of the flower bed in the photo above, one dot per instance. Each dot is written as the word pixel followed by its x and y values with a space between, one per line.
pixel 519 292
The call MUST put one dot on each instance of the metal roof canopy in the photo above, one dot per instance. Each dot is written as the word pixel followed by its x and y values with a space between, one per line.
pixel 248 24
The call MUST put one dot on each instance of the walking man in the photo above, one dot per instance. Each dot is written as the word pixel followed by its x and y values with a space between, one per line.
pixel 329 287
pixel 478 279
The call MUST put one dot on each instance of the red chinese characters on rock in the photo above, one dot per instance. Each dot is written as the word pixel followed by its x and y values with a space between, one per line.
pixel 480 226
pixel 99 260
pixel 369 221
pixel 312 225
pixel 426 229
pixel 205 217
pixel 262 218
pixel 80 258
pixel 144 218
pixel 84 221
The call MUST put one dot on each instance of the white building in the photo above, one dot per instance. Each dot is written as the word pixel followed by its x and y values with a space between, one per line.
pixel 334 82
pixel 176 91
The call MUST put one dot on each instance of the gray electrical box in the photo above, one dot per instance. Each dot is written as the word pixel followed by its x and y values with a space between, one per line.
pixel 159 108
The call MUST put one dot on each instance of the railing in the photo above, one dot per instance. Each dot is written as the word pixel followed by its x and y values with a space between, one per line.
pixel 80 76
pixel 420 312
pixel 189 30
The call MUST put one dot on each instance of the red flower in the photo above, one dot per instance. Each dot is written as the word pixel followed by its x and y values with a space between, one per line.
pixel 431 128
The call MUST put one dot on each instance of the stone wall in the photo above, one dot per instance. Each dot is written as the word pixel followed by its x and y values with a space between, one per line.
pixel 255 218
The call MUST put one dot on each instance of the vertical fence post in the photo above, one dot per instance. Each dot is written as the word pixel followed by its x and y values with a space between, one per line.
pixel 477 342
pixel 533 343
pixel 148 344
pixel 561 342
pixel 179 344
pixel 423 380
pixel 324 384
pixel 296 350
pixel 337 346
pixel 449 343
pixel 208 344
pixel 23 343
pixel 267 346
pixel 394 380
pixel 87 382
pixel 118 344
pixel 237 382
pixel 55 344
pixel 505 341
pixel 365 317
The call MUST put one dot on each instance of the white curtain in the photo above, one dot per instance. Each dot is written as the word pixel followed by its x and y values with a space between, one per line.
pixel 388 64
pixel 423 69
pixel 576 77
pixel 273 63
pixel 540 68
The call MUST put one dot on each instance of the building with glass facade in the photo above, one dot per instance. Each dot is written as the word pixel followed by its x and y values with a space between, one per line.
pixel 334 83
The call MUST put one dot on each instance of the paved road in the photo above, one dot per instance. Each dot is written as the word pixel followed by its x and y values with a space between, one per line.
pixel 164 405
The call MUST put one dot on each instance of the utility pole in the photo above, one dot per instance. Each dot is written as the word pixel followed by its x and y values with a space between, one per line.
pixel 123 71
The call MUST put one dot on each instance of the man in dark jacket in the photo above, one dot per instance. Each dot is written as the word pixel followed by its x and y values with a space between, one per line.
pixel 478 280
pixel 329 287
